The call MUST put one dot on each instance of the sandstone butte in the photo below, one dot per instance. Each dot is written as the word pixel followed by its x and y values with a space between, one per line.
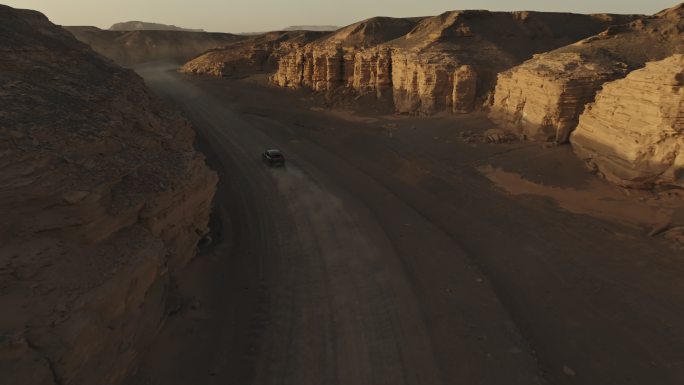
pixel 543 98
pixel 425 65
pixel 130 48
pixel 103 201
pixel 254 55
pixel 633 134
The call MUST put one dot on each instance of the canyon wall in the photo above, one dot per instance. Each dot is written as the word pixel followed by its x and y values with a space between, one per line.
pixel 633 134
pixel 350 57
pixel 131 48
pixel 426 65
pixel 103 200
pixel 420 86
pixel 544 97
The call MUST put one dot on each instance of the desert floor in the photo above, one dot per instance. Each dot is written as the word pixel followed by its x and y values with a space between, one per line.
pixel 405 250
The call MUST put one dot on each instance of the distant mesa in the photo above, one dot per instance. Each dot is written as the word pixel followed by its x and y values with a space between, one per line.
pixel 295 28
pixel 145 26
pixel 131 48
pixel 318 28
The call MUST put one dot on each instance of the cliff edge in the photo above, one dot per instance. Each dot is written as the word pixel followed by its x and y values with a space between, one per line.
pixel 103 198
pixel 543 97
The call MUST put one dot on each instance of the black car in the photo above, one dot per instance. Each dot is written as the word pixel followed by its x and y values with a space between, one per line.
pixel 273 157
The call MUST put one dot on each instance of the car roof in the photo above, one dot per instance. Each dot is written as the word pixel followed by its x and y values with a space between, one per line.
pixel 273 151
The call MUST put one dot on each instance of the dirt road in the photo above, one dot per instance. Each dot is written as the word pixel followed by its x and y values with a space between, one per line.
pixel 379 255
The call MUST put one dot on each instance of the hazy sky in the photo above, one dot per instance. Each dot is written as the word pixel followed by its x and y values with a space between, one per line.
pixel 262 15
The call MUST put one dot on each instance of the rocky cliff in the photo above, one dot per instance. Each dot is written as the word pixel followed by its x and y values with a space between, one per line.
pixel 633 134
pixel 257 54
pixel 348 58
pixel 103 200
pixel 450 62
pixel 447 62
pixel 544 97
pixel 130 48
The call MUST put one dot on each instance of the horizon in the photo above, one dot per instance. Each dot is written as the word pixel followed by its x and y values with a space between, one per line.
pixel 199 15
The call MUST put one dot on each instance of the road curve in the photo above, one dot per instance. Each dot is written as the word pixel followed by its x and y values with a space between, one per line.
pixel 370 260
pixel 345 304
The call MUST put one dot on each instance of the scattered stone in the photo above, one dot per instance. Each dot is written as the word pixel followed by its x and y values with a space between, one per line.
pixel 74 196
pixel 195 304
pixel 499 136
pixel 659 229
pixel 568 371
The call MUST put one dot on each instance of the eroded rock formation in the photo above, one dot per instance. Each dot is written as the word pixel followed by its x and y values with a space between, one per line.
pixel 345 58
pixel 447 62
pixel 103 200
pixel 544 97
pixel 350 58
pixel 634 133
pixel 130 48
pixel 255 55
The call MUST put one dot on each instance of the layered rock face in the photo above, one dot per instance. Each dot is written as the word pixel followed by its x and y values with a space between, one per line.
pixel 130 48
pixel 372 71
pixel 350 57
pixel 255 55
pixel 544 97
pixel 439 64
pixel 634 133
pixel 103 200
pixel 447 62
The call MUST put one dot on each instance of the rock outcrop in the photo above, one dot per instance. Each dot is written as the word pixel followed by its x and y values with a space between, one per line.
pixel 544 97
pixel 130 48
pixel 255 55
pixel 103 201
pixel 447 62
pixel 439 64
pixel 634 133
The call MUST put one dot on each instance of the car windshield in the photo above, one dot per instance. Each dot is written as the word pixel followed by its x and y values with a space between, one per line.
pixel 275 153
